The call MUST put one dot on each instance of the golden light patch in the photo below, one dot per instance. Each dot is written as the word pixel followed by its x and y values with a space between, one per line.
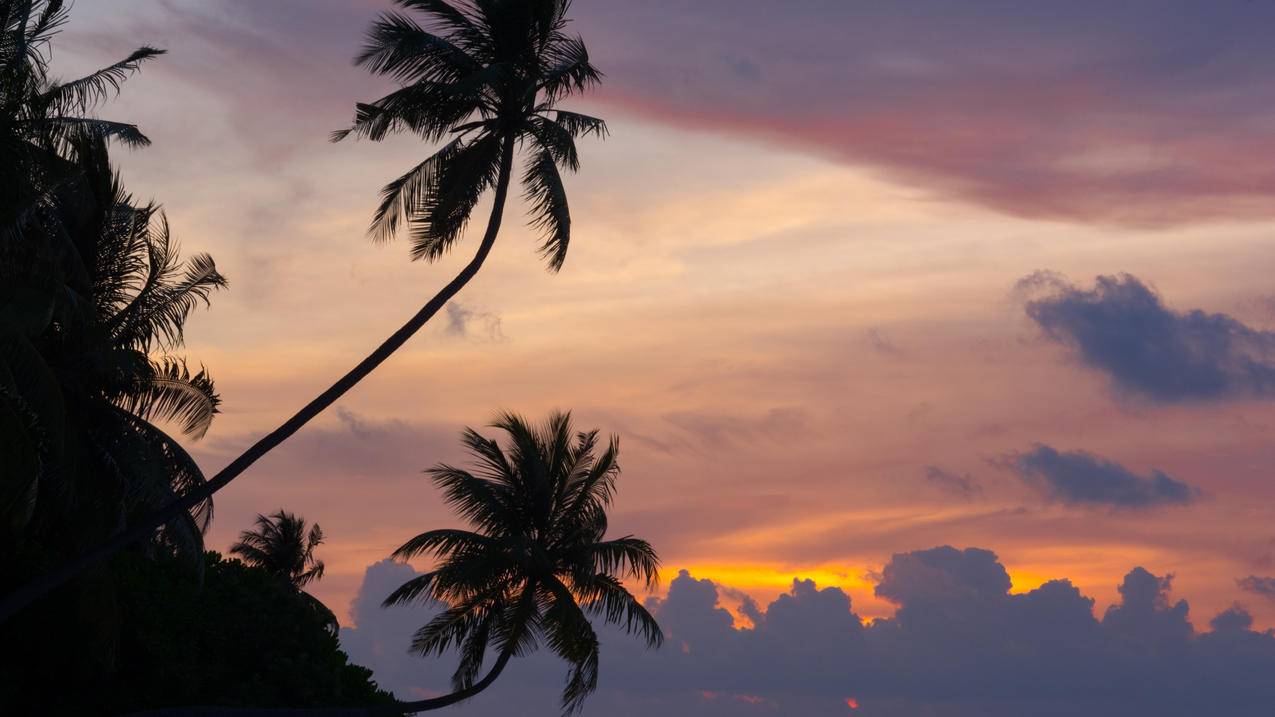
pixel 772 577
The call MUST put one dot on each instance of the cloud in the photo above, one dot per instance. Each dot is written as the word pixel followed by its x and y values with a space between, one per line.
pixel 959 645
pixel 1264 587
pixel 1123 329
pixel 1080 478
pixel 352 446
pixel 1156 115
pixel 714 430
pixel 881 343
pixel 951 97
pixel 475 324
pixel 962 486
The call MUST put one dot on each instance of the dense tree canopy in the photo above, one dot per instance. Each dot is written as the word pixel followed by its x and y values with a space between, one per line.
pixel 241 637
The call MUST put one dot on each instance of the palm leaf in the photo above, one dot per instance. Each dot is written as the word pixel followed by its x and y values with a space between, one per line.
pixel 550 214
pixel 90 90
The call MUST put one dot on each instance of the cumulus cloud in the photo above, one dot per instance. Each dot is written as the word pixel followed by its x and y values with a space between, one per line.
pixel 1123 329
pixel 959 645
pixel 1080 478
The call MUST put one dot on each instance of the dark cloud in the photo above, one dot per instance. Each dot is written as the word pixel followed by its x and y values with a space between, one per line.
pixel 1258 586
pixel 960 485
pixel 960 645
pixel 1122 328
pixel 1080 478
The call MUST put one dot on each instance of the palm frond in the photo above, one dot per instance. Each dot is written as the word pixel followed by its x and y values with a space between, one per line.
pixel 550 214
pixel 466 31
pixel 604 595
pixel 479 501
pixel 570 69
pixel 397 46
pixel 86 92
pixel 580 125
pixel 461 181
pixel 172 392
pixel 443 542
pixel 627 557
pixel 65 130
pixel 402 198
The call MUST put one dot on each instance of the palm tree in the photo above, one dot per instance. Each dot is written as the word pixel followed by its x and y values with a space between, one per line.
pixel 41 119
pixel 282 546
pixel 490 73
pixel 90 374
pixel 535 566
pixel 532 570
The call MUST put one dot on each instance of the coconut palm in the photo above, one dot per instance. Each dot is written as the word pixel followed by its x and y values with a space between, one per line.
pixel 488 74
pixel 532 570
pixel 281 545
pixel 42 120
pixel 535 566
pixel 89 374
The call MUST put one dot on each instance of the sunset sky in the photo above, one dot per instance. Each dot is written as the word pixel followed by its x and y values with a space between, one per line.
pixel 834 281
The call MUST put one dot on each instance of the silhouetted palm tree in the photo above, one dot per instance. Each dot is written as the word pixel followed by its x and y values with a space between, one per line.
pixel 282 546
pixel 43 120
pixel 89 370
pixel 490 72
pixel 532 571
pixel 536 566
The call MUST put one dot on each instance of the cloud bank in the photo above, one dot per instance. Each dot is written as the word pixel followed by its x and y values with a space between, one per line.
pixel 959 645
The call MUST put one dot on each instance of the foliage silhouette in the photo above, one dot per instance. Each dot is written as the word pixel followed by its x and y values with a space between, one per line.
pixel 490 72
pixel 532 570
pixel 44 121
pixel 282 546
pixel 88 369
pixel 239 637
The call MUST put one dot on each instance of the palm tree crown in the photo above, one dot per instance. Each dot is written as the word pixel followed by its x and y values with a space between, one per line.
pixel 42 120
pixel 488 74
pixel 281 545
pixel 535 567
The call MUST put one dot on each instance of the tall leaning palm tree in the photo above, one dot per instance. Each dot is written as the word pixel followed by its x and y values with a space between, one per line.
pixel 532 570
pixel 281 545
pixel 489 74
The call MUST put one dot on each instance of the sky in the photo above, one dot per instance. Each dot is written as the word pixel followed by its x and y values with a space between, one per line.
pixel 933 305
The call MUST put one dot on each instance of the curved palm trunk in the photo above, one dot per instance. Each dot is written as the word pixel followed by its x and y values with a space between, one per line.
pixel 29 592
pixel 394 710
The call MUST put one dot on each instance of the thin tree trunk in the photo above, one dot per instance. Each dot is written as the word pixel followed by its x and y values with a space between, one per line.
pixel 33 590
pixel 394 710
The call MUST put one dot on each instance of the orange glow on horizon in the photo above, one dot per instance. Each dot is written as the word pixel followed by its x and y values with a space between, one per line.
pixel 773 576
pixel 852 703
